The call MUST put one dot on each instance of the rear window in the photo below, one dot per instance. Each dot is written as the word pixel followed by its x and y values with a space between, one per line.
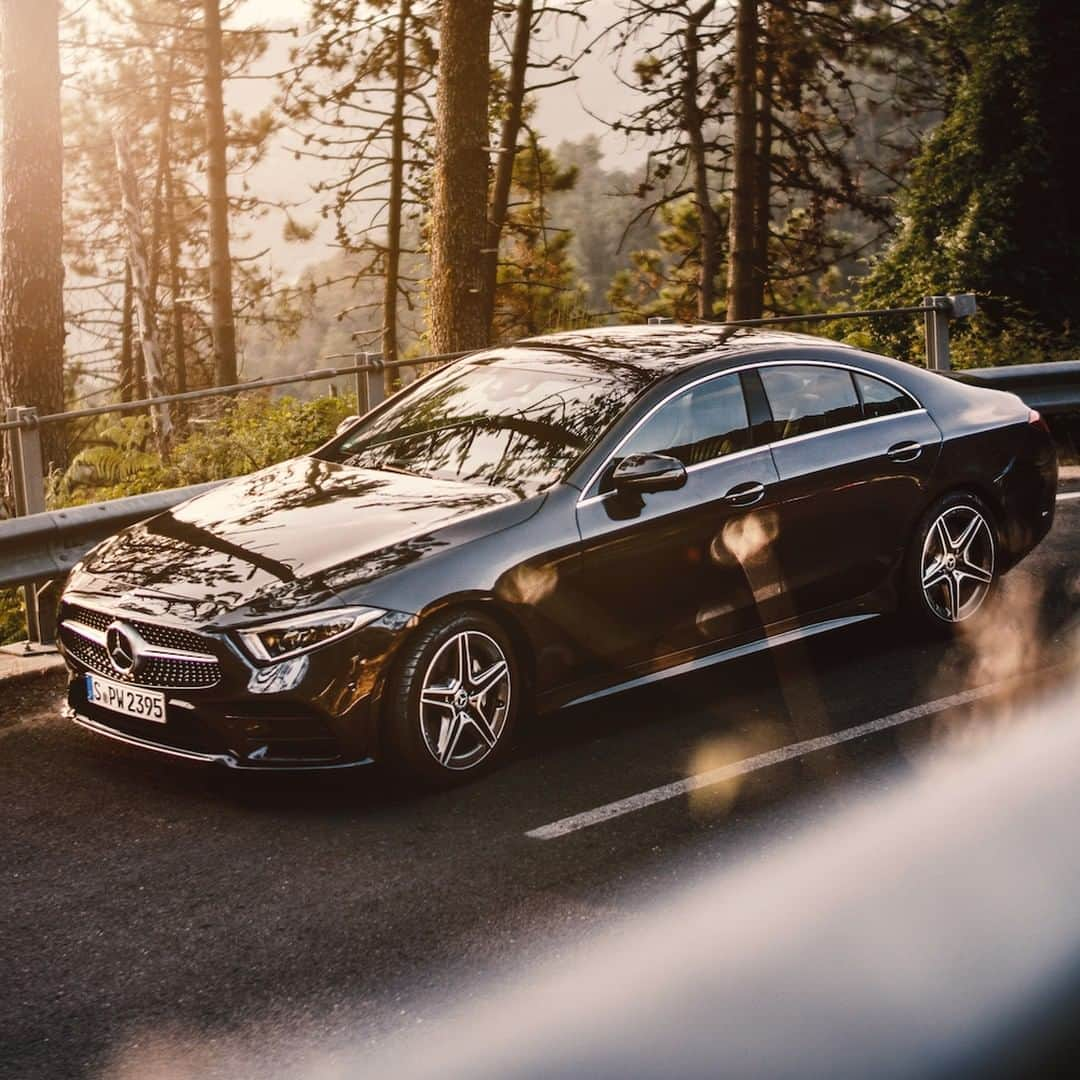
pixel 880 398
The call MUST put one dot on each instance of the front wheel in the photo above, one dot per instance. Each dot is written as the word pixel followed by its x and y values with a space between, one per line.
pixel 952 566
pixel 450 706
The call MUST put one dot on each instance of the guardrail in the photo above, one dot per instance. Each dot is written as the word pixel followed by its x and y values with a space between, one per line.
pixel 48 545
pixel 1051 388
pixel 39 546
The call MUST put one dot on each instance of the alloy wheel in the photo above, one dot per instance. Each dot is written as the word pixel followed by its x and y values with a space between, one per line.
pixel 957 563
pixel 465 700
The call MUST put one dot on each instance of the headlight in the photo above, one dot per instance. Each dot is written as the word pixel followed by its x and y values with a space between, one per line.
pixel 280 640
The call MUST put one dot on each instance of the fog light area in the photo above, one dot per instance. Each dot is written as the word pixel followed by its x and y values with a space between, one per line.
pixel 278 678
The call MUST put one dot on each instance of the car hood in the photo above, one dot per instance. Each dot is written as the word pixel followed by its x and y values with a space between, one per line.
pixel 295 535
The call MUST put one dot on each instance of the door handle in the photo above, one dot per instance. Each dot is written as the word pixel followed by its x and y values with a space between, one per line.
pixel 904 451
pixel 745 494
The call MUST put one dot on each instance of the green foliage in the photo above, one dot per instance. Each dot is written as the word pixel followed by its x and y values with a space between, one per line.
pixel 665 280
pixel 12 616
pixel 537 288
pixel 252 433
pixel 990 206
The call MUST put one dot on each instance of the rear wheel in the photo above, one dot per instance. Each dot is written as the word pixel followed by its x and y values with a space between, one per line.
pixel 952 566
pixel 452 702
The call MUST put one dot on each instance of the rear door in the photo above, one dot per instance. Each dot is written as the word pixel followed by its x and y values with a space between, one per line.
pixel 676 570
pixel 853 453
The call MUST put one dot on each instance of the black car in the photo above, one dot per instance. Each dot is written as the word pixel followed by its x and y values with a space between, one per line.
pixel 542 525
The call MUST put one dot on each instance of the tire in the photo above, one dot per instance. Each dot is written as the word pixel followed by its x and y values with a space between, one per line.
pixel 952 566
pixel 442 726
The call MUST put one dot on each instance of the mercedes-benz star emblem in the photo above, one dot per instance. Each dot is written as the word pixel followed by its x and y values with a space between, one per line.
pixel 122 645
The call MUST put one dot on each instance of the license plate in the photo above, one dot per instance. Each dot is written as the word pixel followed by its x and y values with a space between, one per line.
pixel 128 700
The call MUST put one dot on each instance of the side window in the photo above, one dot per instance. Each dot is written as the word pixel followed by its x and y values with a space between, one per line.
pixel 880 398
pixel 805 398
pixel 702 424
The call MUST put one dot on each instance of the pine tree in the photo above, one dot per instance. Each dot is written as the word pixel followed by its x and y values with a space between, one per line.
pixel 765 104
pixel 360 96
pixel 223 326
pixel 538 289
pixel 990 207
pixel 139 68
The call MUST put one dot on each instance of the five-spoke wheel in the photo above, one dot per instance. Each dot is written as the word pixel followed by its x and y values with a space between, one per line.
pixel 956 564
pixel 465 699
pixel 451 703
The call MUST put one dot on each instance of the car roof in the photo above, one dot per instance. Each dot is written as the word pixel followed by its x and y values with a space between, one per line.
pixel 663 349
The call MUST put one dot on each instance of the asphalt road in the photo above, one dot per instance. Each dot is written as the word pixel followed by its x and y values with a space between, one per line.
pixel 146 906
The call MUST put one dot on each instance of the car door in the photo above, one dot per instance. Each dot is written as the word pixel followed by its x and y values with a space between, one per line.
pixel 672 571
pixel 853 454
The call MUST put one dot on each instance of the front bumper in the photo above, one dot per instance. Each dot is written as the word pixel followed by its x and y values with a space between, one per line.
pixel 326 722
pixel 202 757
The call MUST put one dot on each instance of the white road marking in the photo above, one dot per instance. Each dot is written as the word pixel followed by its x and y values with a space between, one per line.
pixel 763 761
pixel 759 761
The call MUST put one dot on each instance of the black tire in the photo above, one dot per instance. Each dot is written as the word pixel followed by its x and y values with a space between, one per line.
pixel 412 731
pixel 940 592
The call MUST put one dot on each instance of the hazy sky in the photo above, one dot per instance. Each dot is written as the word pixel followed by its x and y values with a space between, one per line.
pixel 563 113
pixel 560 114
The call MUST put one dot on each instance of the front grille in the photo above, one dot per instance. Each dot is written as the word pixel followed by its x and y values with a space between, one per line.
pixel 163 635
pixel 157 672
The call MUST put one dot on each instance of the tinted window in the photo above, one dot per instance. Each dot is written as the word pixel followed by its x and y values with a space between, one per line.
pixel 805 398
pixel 704 423
pixel 499 423
pixel 880 398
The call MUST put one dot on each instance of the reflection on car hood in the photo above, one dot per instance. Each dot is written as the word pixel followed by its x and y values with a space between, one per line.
pixel 289 536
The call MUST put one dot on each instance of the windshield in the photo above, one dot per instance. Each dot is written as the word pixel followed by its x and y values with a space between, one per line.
pixel 501 422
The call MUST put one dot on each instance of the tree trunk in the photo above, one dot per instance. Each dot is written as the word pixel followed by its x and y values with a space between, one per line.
pixel 31 217
pixel 223 327
pixel 173 240
pixel 164 146
pixel 740 285
pixel 140 277
pixel 693 124
pixel 763 172
pixel 397 195
pixel 507 155
pixel 127 348
pixel 460 182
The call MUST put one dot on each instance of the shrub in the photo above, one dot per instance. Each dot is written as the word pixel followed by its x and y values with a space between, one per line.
pixel 118 458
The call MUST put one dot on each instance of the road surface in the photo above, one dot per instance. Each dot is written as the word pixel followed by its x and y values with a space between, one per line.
pixel 144 903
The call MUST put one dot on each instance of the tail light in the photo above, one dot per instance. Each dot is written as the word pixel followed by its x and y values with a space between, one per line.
pixel 1035 418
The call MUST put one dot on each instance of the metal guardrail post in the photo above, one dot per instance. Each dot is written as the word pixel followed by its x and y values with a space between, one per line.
pixel 27 461
pixel 936 322
pixel 28 487
pixel 940 309
pixel 362 406
pixel 376 388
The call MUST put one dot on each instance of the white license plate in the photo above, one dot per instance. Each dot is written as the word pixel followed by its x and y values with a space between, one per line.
pixel 129 700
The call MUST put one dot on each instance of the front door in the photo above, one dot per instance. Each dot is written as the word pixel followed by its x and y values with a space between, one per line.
pixel 674 572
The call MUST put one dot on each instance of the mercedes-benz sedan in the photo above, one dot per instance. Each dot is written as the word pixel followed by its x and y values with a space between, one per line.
pixel 546 524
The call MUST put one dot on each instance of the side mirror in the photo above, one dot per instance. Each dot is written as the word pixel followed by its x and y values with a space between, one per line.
pixel 642 473
pixel 345 425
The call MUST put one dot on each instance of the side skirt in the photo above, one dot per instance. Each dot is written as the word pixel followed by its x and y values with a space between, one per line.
pixel 751 647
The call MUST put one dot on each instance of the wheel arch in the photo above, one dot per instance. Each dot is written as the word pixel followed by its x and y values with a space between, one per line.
pixel 993 502
pixel 488 604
